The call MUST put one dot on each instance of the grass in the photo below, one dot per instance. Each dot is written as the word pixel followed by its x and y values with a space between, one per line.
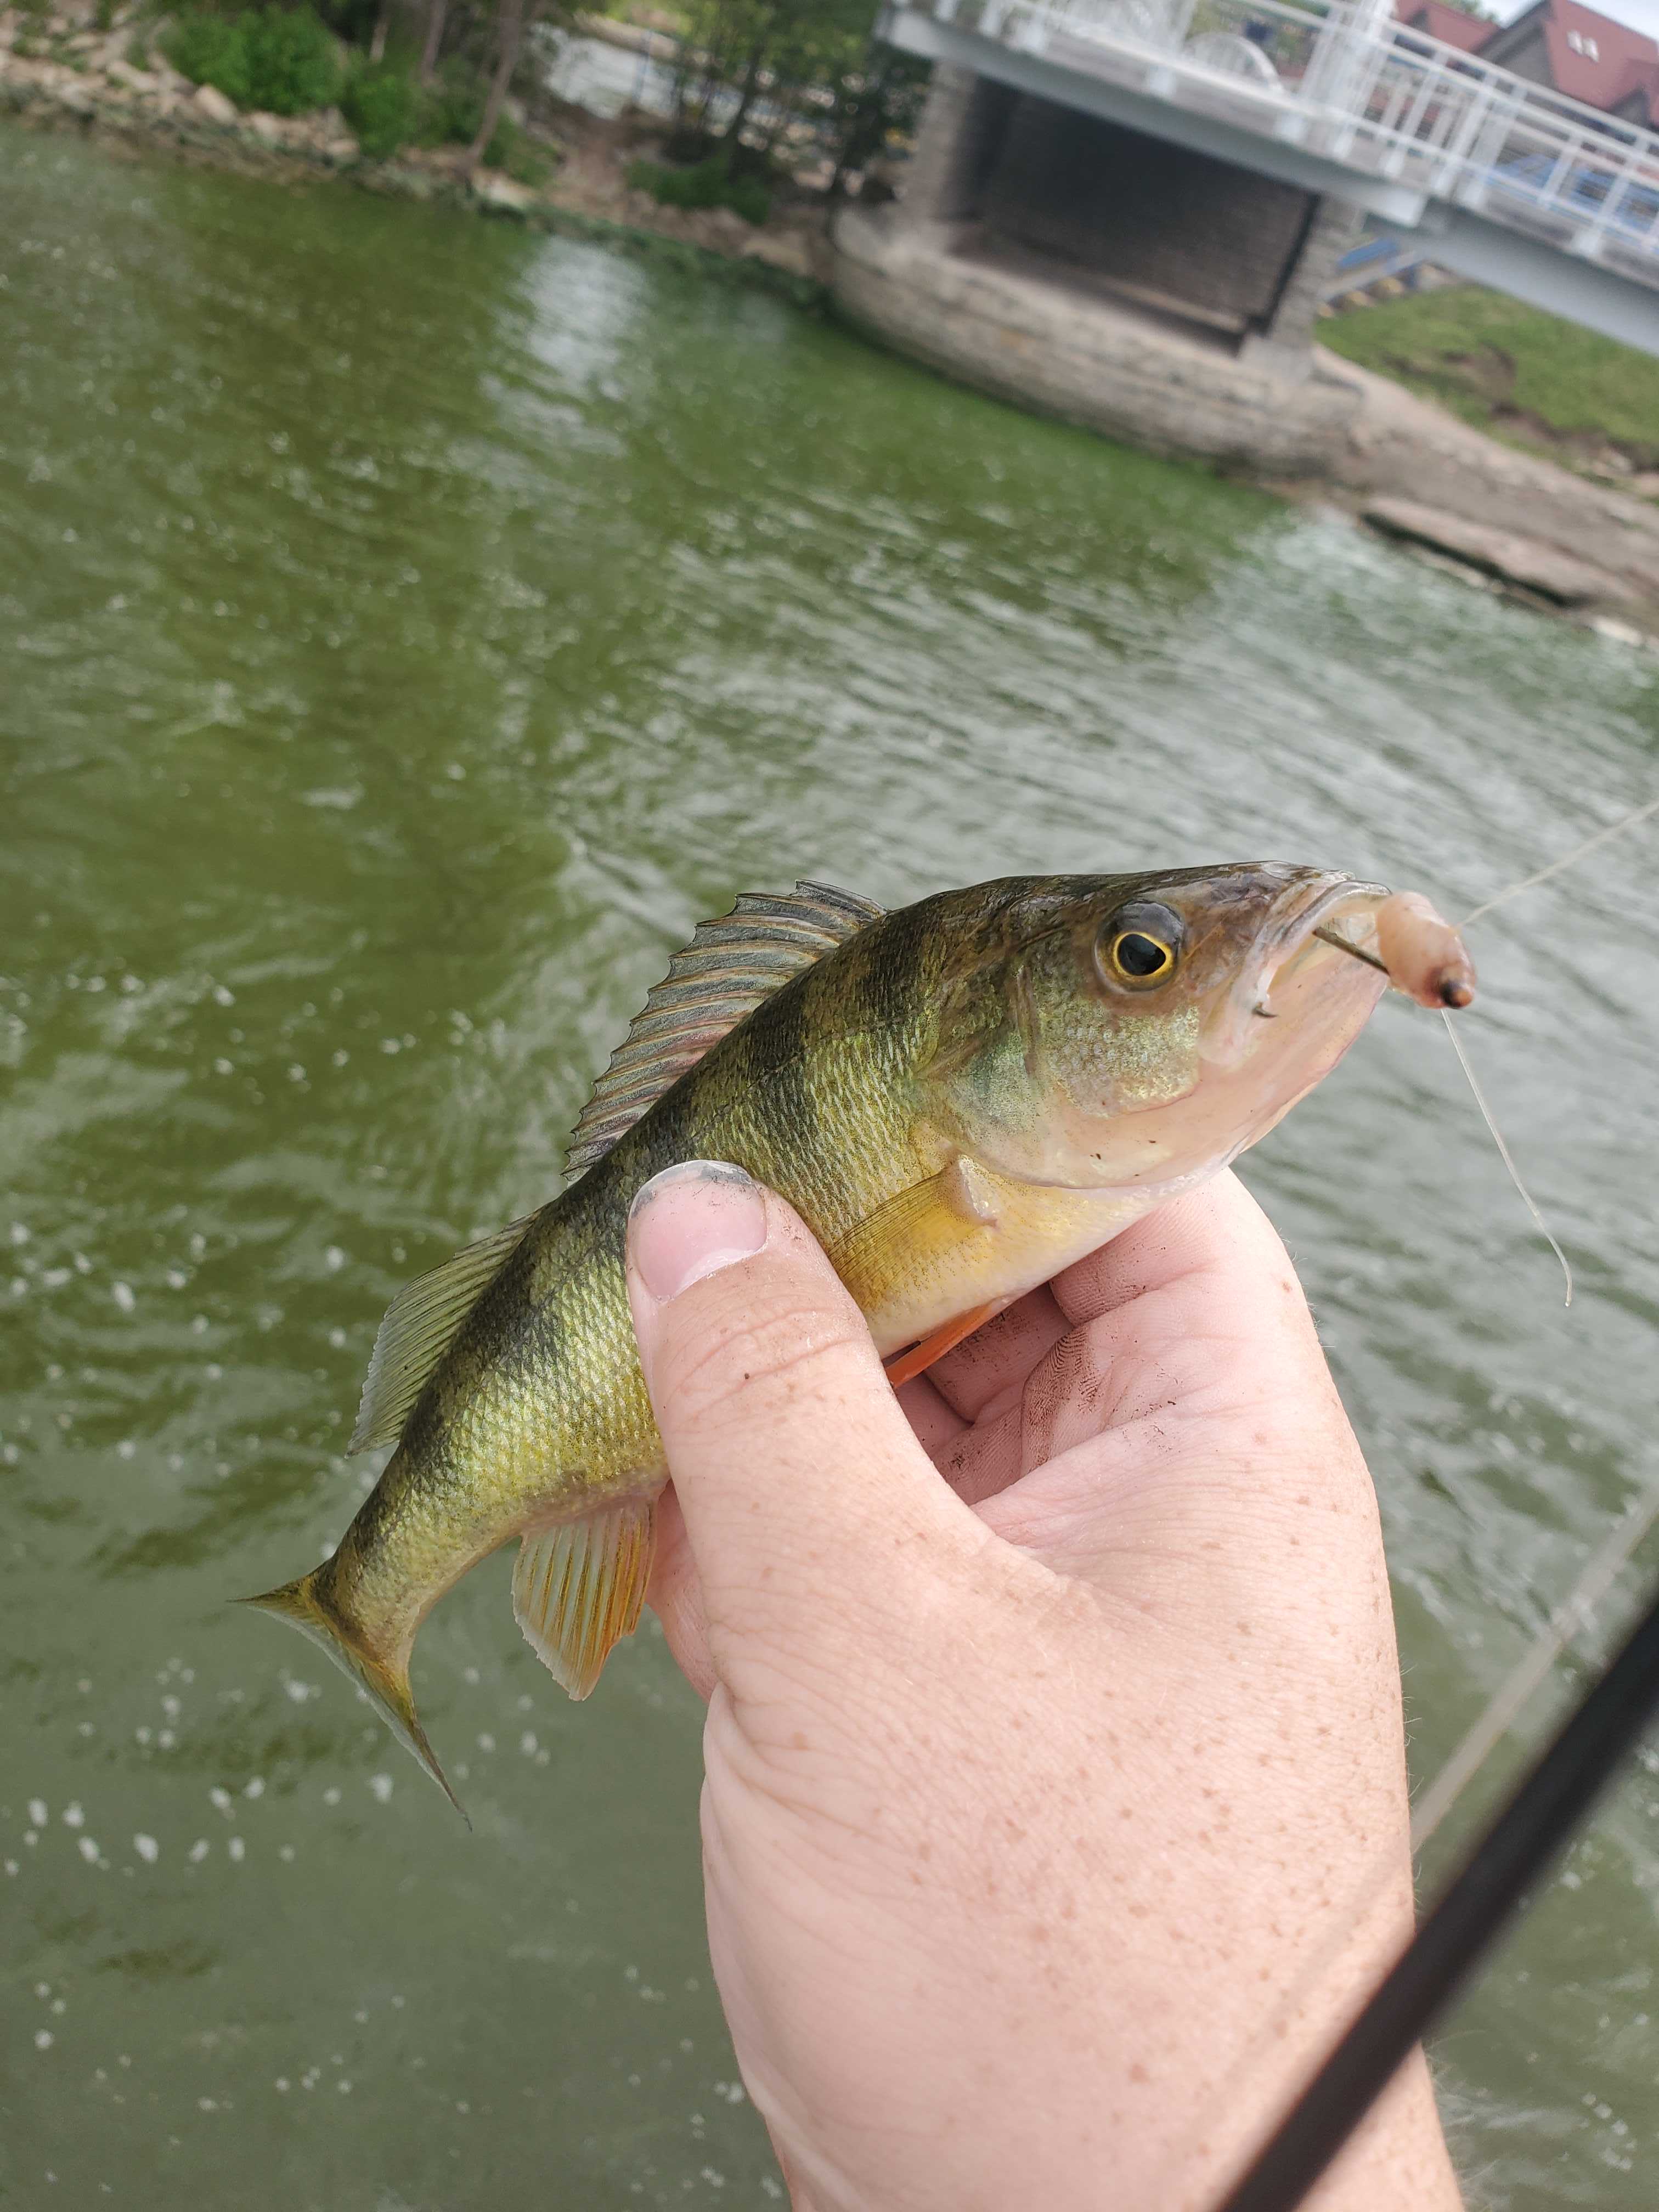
pixel 1512 369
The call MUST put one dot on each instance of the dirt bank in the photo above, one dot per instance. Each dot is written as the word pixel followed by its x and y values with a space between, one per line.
pixel 1582 547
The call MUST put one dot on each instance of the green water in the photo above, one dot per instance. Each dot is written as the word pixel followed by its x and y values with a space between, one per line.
pixel 409 628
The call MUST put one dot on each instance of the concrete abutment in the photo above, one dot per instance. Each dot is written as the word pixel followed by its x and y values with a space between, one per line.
pixel 1073 266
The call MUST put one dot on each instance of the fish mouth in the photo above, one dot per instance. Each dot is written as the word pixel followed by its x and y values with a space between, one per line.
pixel 1292 920
pixel 1294 975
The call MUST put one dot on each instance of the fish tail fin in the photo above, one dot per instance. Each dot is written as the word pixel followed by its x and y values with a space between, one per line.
pixel 384 1676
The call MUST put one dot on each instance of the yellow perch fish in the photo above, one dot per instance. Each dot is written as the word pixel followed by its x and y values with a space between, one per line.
pixel 960 1098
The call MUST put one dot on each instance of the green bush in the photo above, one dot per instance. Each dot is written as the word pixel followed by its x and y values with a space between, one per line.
pixel 450 113
pixel 748 197
pixel 278 59
pixel 709 184
pixel 382 105
pixel 452 109
pixel 212 50
pixel 292 64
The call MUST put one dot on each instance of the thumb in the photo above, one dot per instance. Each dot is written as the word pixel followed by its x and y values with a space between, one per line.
pixel 806 1498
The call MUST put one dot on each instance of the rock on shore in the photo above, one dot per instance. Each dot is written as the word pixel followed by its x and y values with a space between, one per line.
pixel 1530 563
pixel 1419 474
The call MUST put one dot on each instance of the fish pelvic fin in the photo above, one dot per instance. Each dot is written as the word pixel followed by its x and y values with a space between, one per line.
pixel 385 1676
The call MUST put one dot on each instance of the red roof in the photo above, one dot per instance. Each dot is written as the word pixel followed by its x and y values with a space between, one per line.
pixel 1449 24
pixel 1591 58
pixel 1640 77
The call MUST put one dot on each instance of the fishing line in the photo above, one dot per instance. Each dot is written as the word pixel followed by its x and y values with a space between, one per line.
pixel 1542 875
pixel 1572 1617
pixel 1625 821
pixel 1544 1230
pixel 1575 1612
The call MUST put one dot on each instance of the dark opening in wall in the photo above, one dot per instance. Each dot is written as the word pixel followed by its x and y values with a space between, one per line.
pixel 1177 228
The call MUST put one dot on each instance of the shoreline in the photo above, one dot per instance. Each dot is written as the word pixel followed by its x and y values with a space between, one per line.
pixel 1570 545
pixel 586 197
pixel 1504 520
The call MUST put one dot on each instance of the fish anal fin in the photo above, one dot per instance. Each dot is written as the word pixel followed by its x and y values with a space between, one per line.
pixel 905 1366
pixel 421 1324
pixel 578 1588
pixel 729 966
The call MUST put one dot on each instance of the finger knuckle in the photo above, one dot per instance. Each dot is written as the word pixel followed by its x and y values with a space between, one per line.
pixel 785 1354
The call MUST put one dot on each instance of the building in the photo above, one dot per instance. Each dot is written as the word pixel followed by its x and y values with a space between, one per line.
pixel 1577 51
pixel 1451 25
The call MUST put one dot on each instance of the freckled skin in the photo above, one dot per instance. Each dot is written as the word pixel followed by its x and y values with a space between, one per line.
pixel 986 1025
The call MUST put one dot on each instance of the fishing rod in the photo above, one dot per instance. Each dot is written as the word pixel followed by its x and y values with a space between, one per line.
pixel 1470 1916
pixel 1477 1906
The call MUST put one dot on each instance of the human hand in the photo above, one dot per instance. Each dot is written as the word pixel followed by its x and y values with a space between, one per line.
pixel 1032 1792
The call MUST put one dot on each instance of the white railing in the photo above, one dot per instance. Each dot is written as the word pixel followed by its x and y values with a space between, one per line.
pixel 1369 92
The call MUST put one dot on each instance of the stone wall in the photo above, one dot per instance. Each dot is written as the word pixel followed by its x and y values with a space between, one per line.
pixel 1031 239
pixel 1053 348
pixel 1284 336
pixel 958 140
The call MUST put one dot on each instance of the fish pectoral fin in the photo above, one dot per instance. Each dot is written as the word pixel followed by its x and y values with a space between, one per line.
pixel 917 1358
pixel 970 1191
pixel 938 1226
pixel 578 1588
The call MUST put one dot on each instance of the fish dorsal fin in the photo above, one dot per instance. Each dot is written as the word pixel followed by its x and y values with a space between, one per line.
pixel 421 1324
pixel 729 966
pixel 578 1588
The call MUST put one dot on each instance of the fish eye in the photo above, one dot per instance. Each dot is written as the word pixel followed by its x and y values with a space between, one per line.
pixel 1141 946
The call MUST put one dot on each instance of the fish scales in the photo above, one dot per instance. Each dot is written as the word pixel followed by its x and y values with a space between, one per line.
pixel 959 1098
pixel 543 1385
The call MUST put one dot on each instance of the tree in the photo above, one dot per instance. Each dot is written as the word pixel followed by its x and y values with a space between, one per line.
pixel 789 60
pixel 879 99
pixel 509 39
pixel 436 14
